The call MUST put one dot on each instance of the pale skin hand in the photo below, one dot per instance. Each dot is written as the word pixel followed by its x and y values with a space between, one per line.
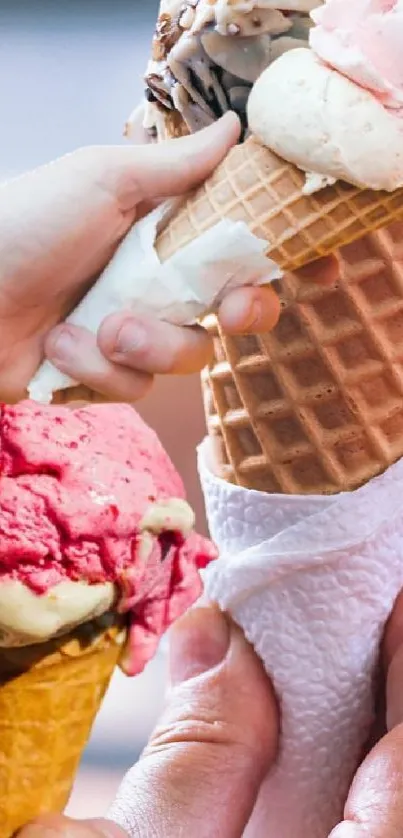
pixel 60 225
pixel 201 772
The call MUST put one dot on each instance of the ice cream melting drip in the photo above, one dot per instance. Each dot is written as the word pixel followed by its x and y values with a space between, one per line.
pixel 206 56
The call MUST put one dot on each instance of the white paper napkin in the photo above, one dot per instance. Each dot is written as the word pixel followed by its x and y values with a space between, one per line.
pixel 312 581
pixel 188 285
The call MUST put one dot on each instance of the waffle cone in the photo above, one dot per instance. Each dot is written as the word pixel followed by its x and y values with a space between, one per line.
pixel 49 697
pixel 77 395
pixel 316 405
pixel 256 186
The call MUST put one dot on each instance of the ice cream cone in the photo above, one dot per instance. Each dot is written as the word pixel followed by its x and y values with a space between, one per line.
pixel 255 186
pixel 49 697
pixel 316 406
pixel 78 394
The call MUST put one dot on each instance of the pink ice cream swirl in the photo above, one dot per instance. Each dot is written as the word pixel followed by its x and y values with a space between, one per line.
pixel 363 40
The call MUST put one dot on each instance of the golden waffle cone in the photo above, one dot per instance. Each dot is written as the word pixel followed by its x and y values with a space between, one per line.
pixel 49 697
pixel 256 186
pixel 77 395
pixel 316 406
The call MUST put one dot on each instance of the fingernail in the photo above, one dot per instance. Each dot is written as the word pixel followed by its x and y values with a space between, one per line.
pixel 248 322
pixel 230 119
pixel 131 338
pixel 62 343
pixel 199 642
pixel 238 312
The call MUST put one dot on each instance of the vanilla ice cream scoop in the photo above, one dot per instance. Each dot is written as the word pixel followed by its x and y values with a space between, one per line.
pixel 336 110
pixel 325 124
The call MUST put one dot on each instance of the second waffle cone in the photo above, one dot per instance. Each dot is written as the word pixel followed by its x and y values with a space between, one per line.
pixel 49 697
pixel 316 406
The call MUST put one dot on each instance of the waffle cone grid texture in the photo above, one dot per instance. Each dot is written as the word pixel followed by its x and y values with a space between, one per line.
pixel 49 698
pixel 316 406
pixel 255 186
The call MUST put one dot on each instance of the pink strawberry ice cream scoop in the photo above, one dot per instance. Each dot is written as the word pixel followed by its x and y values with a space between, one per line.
pixel 92 518
pixel 363 40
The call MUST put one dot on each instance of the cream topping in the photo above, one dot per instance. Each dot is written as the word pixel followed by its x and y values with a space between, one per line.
pixel 27 618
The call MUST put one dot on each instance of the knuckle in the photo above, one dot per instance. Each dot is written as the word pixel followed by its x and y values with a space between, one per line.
pixel 204 728
pixel 203 751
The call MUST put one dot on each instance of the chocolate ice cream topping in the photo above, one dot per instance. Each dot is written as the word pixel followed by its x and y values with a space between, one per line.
pixel 207 55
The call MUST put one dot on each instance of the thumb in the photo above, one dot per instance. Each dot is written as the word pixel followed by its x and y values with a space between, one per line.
pixel 374 806
pixel 202 770
pixel 176 166
pixel 140 173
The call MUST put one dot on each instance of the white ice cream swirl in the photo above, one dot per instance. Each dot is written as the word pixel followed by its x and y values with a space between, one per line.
pixel 27 618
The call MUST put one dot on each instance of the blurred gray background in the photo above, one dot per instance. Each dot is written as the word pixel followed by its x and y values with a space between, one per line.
pixel 70 73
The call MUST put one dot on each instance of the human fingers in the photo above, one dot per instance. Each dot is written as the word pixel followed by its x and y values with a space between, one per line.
pixel 251 310
pixel 72 212
pixel 375 803
pixel 256 310
pixel 201 773
pixel 153 346
pixel 135 174
pixel 74 352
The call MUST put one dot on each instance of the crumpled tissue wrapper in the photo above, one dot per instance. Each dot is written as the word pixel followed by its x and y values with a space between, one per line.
pixel 312 581
pixel 187 286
